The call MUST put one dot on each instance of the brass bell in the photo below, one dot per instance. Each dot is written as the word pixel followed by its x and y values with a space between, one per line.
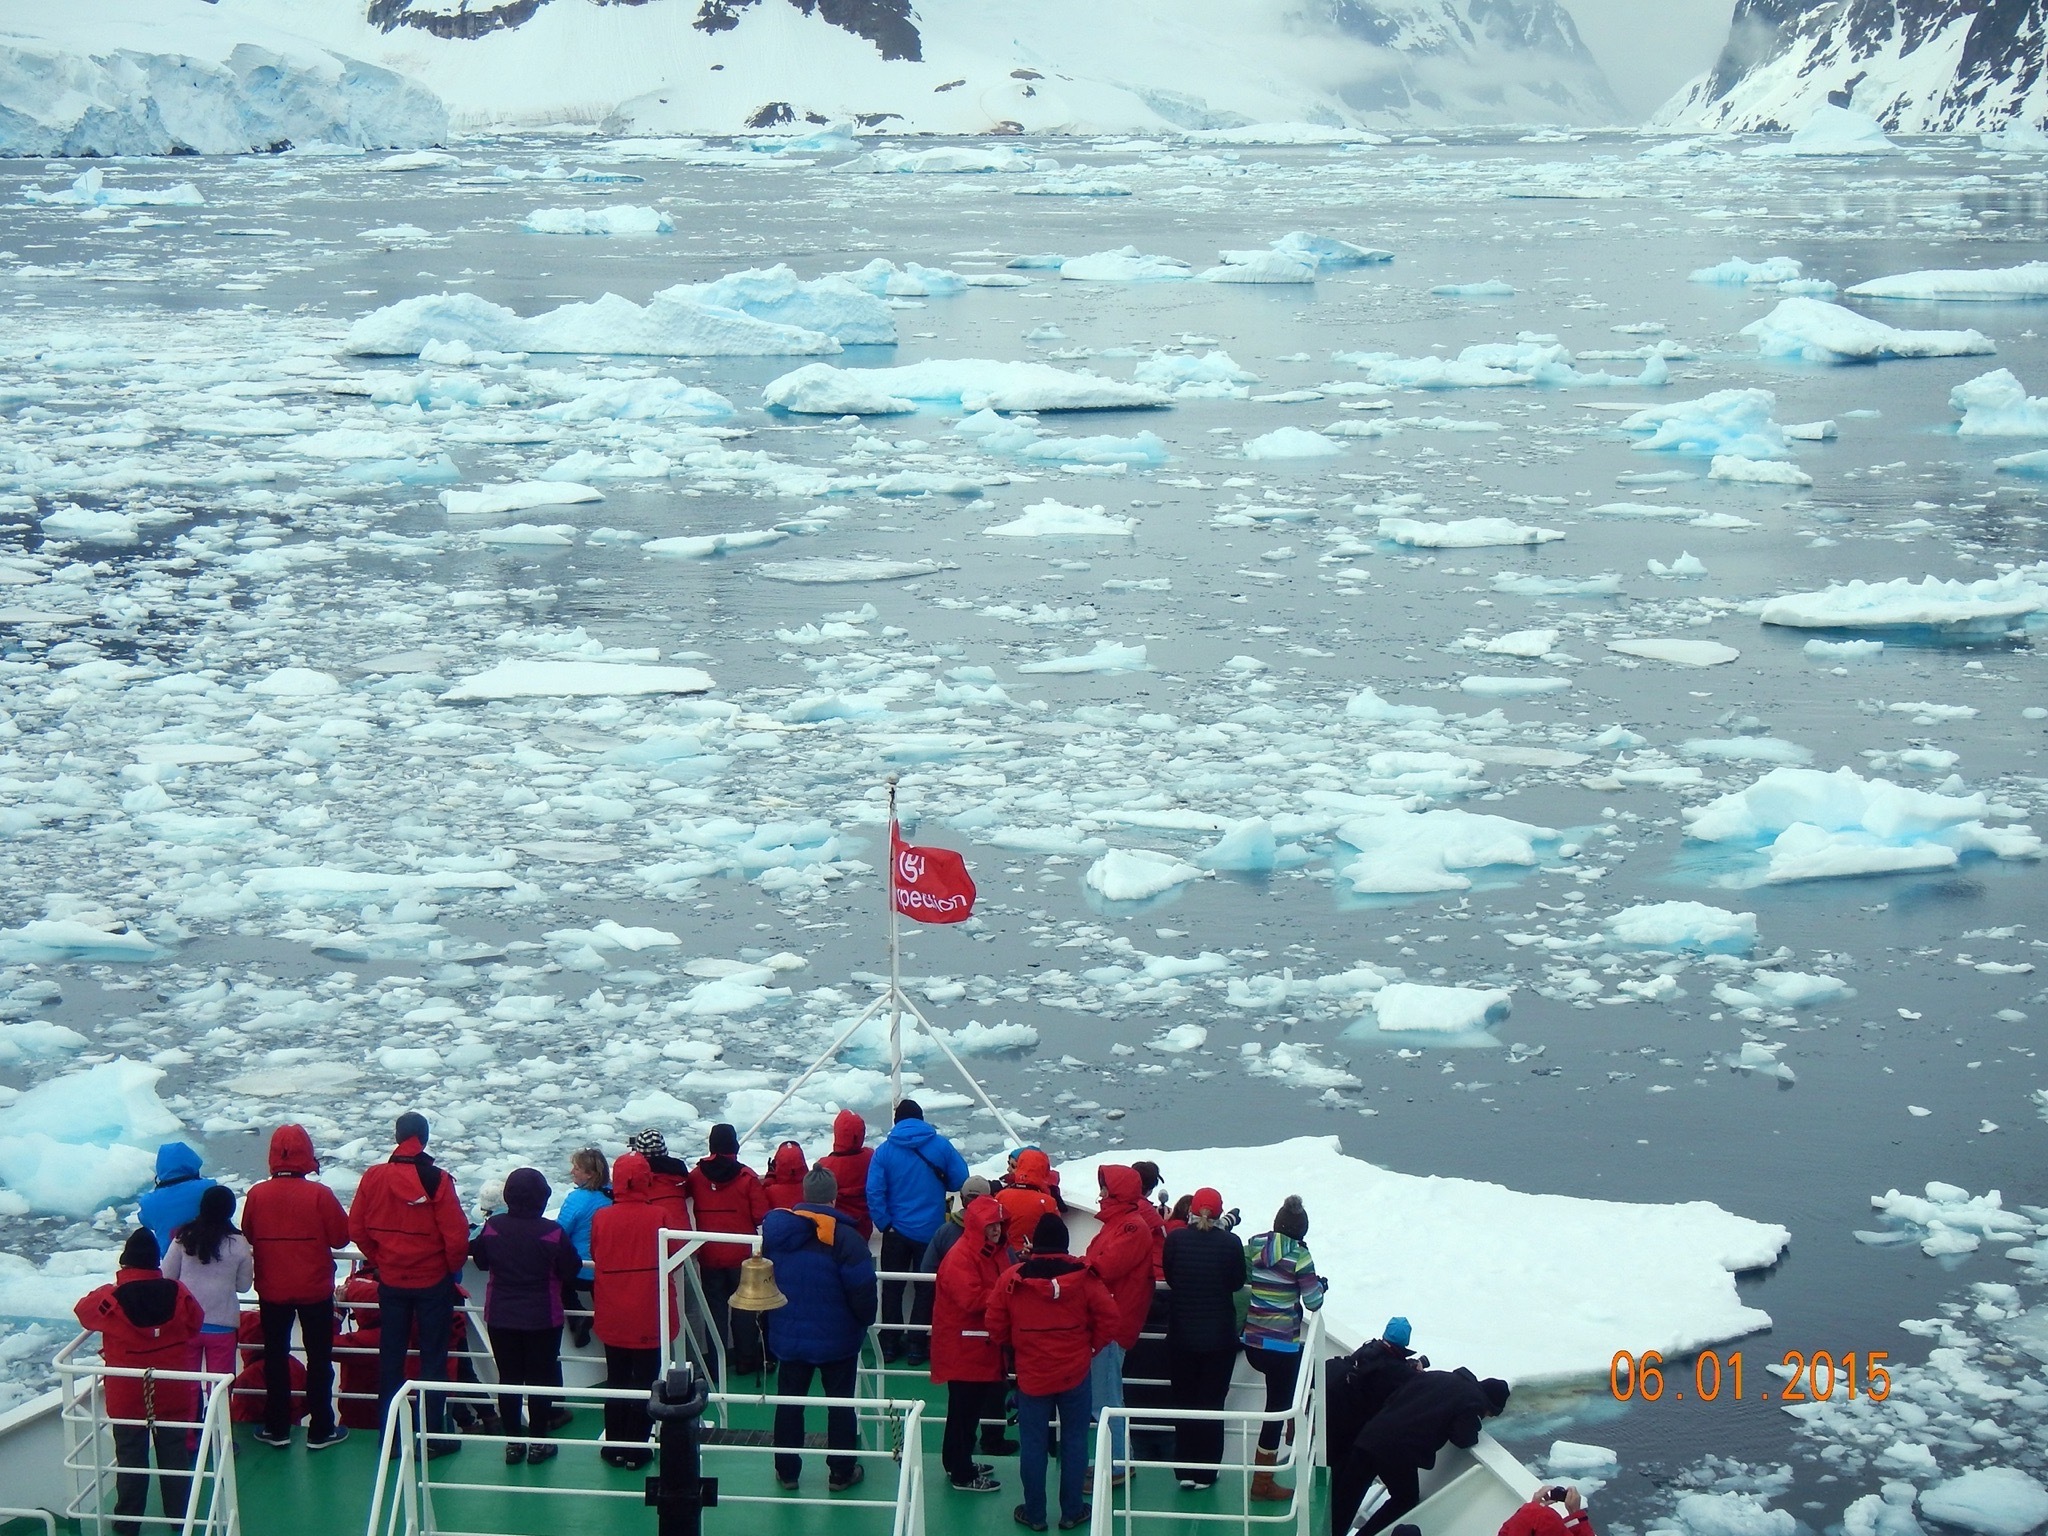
pixel 757 1291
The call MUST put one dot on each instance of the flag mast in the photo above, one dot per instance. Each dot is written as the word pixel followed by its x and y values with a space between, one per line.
pixel 895 967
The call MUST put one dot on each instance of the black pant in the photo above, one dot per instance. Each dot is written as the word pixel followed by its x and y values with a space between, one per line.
pixel 527 1357
pixel 1282 1369
pixel 967 1404
pixel 316 1331
pixel 429 1310
pixel 625 1419
pixel 741 1331
pixel 1354 1475
pixel 905 1301
pixel 842 1428
pixel 173 1464
pixel 1201 1379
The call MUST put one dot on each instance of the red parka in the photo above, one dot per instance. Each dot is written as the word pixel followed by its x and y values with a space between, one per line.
pixel 625 1257
pixel 784 1184
pixel 146 1322
pixel 1026 1194
pixel 967 1275
pixel 415 1237
pixel 668 1188
pixel 1121 1252
pixel 1054 1315
pixel 293 1223
pixel 848 1160
pixel 726 1196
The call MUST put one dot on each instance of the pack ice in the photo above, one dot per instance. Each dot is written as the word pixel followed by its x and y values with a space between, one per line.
pixel 972 384
pixel 1442 1252
pixel 671 324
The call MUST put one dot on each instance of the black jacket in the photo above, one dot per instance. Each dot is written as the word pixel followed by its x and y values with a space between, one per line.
pixel 1204 1272
pixel 1428 1411
pixel 1358 1386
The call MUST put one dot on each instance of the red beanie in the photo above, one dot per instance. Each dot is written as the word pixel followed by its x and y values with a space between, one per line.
pixel 1206 1202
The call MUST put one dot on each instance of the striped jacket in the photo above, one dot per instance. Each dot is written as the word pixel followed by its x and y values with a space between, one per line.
pixel 1282 1283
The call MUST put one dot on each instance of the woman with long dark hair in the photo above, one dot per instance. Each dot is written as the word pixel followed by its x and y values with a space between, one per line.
pixel 213 1261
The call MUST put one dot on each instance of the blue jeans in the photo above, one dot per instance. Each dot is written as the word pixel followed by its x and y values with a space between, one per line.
pixel 1106 1390
pixel 1034 1419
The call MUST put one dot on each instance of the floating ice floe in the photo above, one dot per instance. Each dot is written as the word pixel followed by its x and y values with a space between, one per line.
pixel 1809 825
pixel 1439 1249
pixel 1107 656
pixel 1270 266
pixel 1493 288
pixel 1465 533
pixel 1997 405
pixel 1127 265
pixel 1831 131
pixel 295 683
pixel 1053 520
pixel 1982 285
pixel 621 219
pixel 1409 1008
pixel 1512 687
pixel 417 160
pixel 576 680
pixel 827 571
pixel 518 496
pixel 1406 853
pixel 1818 332
pixel 1328 254
pixel 1730 422
pixel 831 305
pixel 1954 1221
pixel 45 939
pixel 1499 365
pixel 667 326
pixel 709 546
pixel 2033 464
pixel 1683 925
pixel 1736 272
pixel 947 160
pixel 1740 471
pixel 1213 376
pixel 1986 607
pixel 1783 989
pixel 1992 1501
pixel 77 1142
pixel 90 190
pixel 1138 874
pixel 972 384
pixel 1680 653
pixel 1293 443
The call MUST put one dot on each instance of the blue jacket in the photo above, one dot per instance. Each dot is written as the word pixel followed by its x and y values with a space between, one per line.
pixel 913 1171
pixel 175 1199
pixel 578 1206
pixel 825 1270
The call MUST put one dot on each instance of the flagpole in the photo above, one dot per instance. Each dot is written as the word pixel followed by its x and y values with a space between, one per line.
pixel 895 968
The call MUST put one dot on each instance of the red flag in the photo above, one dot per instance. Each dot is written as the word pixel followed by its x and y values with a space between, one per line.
pixel 928 885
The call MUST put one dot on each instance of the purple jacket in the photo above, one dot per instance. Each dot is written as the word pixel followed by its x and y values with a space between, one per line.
pixel 528 1257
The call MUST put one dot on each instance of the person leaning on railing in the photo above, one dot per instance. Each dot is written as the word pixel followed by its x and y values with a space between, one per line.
pixel 147 1323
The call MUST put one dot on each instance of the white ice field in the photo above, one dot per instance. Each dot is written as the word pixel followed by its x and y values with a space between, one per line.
pixel 1501 671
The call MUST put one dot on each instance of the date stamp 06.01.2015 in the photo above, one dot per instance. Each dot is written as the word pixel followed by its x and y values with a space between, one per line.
pixel 1800 1377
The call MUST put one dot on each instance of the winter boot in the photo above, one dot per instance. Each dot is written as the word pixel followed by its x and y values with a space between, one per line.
pixel 1264 1489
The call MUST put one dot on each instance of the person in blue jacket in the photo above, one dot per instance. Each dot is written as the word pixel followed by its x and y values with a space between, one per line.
pixel 823 1267
pixel 590 1176
pixel 174 1200
pixel 913 1171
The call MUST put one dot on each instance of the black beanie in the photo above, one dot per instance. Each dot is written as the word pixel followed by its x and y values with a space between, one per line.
pixel 412 1126
pixel 909 1109
pixel 725 1141
pixel 141 1251
pixel 1291 1219
pixel 1496 1392
pixel 1050 1235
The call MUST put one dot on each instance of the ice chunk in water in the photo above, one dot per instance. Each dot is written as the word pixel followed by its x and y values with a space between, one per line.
pixel 1052 520
pixel 1292 443
pixel 1684 925
pixel 1989 284
pixel 1993 1501
pixel 972 384
pixel 1138 874
pixel 1963 607
pixel 1997 405
pixel 620 219
pixel 575 679
pixel 1818 332
pixel 1465 533
pixel 1406 1007
pixel 76 1142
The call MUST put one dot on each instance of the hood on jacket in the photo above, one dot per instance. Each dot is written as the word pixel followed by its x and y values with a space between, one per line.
pixel 175 1163
pixel 1032 1167
pixel 912 1133
pixel 849 1132
pixel 145 1297
pixel 526 1192
pixel 291 1151
pixel 788 1165
pixel 412 1149
pixel 1045 1271
pixel 632 1179
pixel 1120 1183
pixel 721 1168
pixel 982 1213
pixel 822 1217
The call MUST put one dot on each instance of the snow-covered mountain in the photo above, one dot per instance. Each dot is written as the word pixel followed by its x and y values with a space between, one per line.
pixel 942 66
pixel 1917 66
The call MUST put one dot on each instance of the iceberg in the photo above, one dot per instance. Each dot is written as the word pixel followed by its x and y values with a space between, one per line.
pixel 1992 1501
pixel 623 219
pixel 1981 285
pixel 831 305
pixel 1271 266
pixel 1138 874
pixel 1831 131
pixel 1409 1008
pixel 1444 1247
pixel 1127 265
pixel 1493 288
pixel 1107 656
pixel 1997 405
pixel 1409 853
pixel 1680 653
pixel 1683 925
pixel 1051 520
pixel 1987 607
pixel 1739 273
pixel 1815 331
pixel 1293 443
pixel 948 160
pixel 75 1143
pixel 575 680
pixel 1328 254
pixel 1213 376
pixel 1737 470
pixel 91 191
pixel 518 496
pixel 1731 422
pixel 882 278
pixel 669 325
pixel 972 384
pixel 1145 450
pixel 1466 533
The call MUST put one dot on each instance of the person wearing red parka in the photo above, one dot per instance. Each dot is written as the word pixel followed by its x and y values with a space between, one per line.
pixel 147 1323
pixel 1121 1256
pixel 784 1181
pixel 965 1361
pixel 1054 1315
pixel 848 1160
pixel 625 1259
pixel 294 1224
pixel 726 1196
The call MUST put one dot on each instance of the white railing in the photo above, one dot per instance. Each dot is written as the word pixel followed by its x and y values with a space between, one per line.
pixel 403 1504
pixel 1114 1508
pixel 91 1466
pixel 703 1347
